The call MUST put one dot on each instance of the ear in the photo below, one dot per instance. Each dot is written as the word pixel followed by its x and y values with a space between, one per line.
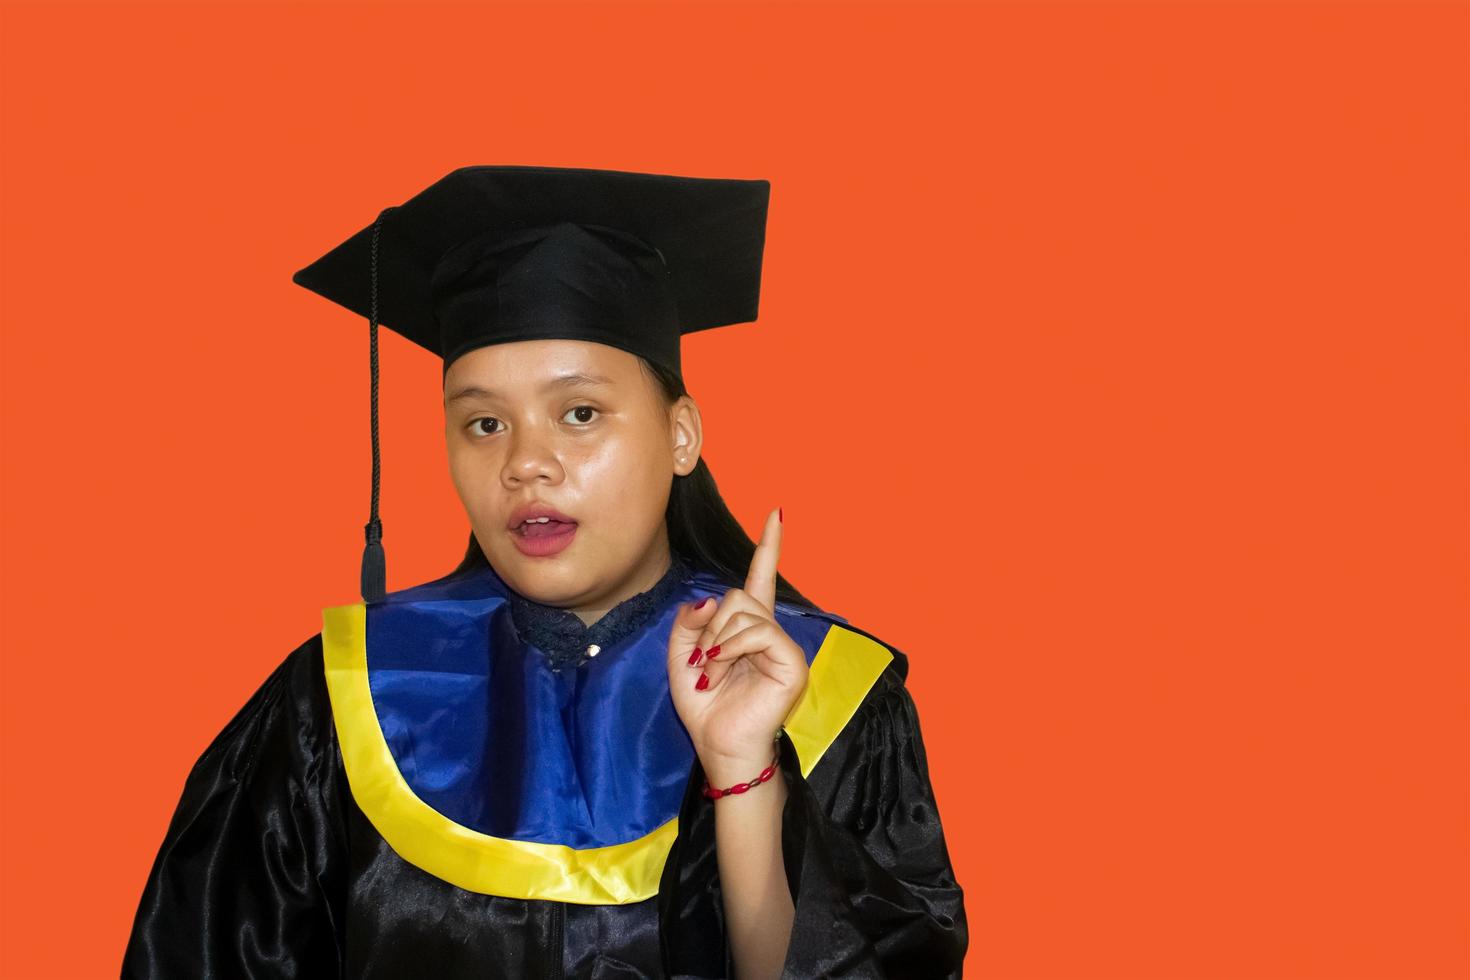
pixel 688 434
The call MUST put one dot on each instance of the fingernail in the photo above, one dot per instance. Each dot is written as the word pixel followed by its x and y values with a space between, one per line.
pixel 780 515
pixel 701 602
pixel 702 683
pixel 714 651
pixel 694 657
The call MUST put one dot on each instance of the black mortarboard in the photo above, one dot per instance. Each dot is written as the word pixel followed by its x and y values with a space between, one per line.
pixel 493 254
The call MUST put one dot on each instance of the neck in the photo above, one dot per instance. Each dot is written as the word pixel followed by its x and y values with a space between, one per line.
pixel 653 566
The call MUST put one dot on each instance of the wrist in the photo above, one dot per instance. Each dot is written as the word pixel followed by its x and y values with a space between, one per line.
pixel 722 770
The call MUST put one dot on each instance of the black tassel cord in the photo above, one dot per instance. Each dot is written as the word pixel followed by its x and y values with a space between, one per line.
pixel 374 561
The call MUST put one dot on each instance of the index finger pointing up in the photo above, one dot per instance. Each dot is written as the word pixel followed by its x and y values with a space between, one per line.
pixel 760 582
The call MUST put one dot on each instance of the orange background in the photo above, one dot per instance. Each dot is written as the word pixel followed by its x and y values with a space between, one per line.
pixel 1111 363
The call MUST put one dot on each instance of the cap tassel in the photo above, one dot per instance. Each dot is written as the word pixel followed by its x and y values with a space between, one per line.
pixel 374 581
pixel 374 563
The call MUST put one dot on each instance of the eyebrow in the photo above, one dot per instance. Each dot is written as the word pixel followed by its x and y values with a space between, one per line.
pixel 574 380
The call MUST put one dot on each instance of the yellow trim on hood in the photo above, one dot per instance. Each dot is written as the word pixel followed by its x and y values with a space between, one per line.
pixel 844 669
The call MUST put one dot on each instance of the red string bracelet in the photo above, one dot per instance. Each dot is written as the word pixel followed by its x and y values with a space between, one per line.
pixel 766 774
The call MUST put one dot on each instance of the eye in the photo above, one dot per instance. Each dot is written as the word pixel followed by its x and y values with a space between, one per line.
pixel 479 430
pixel 579 409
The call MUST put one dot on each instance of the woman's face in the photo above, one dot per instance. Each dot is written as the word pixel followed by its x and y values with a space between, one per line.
pixel 580 429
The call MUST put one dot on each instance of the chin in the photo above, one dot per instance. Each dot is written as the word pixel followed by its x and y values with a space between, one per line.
pixel 547 582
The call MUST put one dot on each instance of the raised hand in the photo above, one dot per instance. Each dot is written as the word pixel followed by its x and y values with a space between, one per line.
pixel 734 673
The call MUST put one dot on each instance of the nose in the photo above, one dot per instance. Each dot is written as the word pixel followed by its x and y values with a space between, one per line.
pixel 529 458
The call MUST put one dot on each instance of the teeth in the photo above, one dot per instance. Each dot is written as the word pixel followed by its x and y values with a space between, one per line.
pixel 536 520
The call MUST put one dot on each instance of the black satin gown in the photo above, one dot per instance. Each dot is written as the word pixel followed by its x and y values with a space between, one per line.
pixel 268 868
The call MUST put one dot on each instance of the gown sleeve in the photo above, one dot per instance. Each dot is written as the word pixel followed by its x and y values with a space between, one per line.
pixel 247 879
pixel 874 891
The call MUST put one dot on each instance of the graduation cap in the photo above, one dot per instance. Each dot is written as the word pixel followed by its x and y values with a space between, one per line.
pixel 493 254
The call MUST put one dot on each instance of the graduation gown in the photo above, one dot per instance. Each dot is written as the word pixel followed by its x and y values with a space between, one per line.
pixel 420 790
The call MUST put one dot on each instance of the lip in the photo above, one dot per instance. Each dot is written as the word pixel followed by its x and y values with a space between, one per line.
pixel 528 511
pixel 541 545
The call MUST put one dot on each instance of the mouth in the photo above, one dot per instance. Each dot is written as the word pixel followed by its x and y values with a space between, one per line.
pixel 543 527
pixel 539 532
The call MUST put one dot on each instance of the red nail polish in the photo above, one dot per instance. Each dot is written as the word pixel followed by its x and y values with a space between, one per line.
pixel 714 651
pixel 702 683
pixel 780 515
pixel 694 657
pixel 701 602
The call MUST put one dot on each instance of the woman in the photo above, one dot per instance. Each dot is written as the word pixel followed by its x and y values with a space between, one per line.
pixel 614 742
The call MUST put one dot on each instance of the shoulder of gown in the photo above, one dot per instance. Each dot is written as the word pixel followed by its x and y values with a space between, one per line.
pixel 871 880
pixel 249 876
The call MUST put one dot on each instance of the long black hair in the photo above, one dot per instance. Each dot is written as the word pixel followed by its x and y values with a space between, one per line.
pixel 702 531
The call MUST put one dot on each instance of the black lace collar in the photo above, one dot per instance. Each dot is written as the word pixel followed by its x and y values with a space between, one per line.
pixel 565 640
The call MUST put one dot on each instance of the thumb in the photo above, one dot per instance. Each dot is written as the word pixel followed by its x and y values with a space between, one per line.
pixel 689 623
